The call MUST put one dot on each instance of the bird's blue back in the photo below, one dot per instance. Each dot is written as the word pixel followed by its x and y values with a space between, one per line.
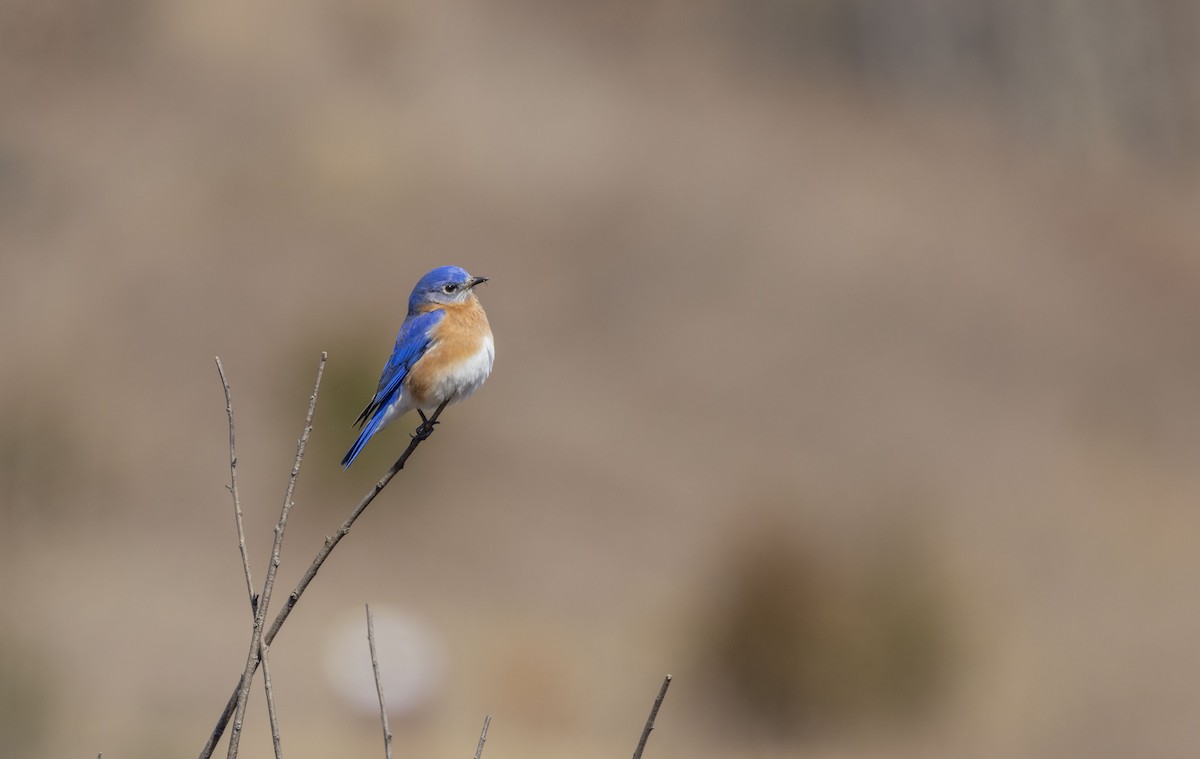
pixel 411 344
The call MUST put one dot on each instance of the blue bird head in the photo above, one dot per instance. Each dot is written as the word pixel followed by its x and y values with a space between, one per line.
pixel 443 285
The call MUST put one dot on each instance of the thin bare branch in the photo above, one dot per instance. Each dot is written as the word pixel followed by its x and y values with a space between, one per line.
pixel 272 715
pixel 264 600
pixel 233 489
pixel 422 433
pixel 387 733
pixel 241 536
pixel 662 692
pixel 487 720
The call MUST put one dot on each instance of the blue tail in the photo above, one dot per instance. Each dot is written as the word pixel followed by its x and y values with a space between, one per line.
pixel 369 429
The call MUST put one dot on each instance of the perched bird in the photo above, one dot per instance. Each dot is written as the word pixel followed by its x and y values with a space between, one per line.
pixel 443 353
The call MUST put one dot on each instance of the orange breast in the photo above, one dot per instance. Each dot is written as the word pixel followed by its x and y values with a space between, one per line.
pixel 457 339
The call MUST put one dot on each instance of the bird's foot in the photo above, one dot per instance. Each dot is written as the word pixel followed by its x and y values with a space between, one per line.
pixel 425 429
pixel 427 424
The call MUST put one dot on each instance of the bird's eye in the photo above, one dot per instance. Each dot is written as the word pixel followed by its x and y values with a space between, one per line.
pixel 450 288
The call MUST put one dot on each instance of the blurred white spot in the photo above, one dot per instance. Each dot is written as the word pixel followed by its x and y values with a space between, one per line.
pixel 411 660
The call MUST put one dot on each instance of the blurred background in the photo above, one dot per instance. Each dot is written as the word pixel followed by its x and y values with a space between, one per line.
pixel 847 370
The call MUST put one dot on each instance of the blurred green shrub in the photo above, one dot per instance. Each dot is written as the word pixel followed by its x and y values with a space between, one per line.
pixel 801 642
pixel 25 699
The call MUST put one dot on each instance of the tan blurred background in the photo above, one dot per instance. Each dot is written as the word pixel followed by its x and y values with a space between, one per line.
pixel 847 370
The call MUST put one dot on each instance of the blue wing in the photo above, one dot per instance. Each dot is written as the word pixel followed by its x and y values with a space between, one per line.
pixel 412 342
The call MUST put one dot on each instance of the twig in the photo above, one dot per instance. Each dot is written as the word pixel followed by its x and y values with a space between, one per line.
pixel 264 599
pixel 422 433
pixel 662 692
pixel 387 733
pixel 233 489
pixel 272 715
pixel 487 720
pixel 241 535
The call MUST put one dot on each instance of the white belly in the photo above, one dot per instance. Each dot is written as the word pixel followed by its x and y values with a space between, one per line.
pixel 465 378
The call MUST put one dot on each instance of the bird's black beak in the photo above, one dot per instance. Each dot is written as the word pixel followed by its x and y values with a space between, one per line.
pixel 475 281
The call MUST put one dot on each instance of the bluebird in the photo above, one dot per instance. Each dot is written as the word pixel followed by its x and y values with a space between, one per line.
pixel 443 353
